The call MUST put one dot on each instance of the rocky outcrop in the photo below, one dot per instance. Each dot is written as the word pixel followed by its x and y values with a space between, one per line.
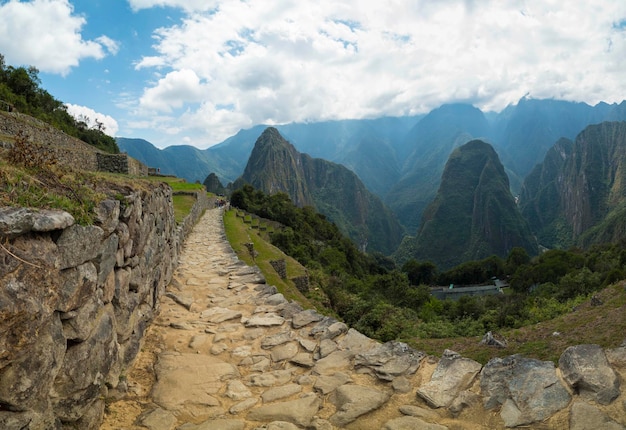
pixel 75 302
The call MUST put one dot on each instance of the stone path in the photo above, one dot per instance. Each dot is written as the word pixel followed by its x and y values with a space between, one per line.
pixel 228 352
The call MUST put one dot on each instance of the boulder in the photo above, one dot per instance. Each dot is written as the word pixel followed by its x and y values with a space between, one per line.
pixel 303 318
pixel 586 369
pixel 299 412
pixel 352 401
pixel 527 390
pixel 390 360
pixel 452 375
pixel 77 245
pixel 18 221
pixel 583 416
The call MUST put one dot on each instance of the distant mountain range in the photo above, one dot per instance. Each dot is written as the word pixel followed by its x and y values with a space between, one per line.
pixel 569 176
pixel 399 159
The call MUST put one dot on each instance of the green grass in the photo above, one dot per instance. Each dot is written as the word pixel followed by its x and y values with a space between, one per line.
pixel 177 184
pixel 238 233
pixel 603 325
pixel 182 206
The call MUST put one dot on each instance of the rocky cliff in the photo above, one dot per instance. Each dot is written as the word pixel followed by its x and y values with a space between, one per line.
pixel 75 301
pixel 577 195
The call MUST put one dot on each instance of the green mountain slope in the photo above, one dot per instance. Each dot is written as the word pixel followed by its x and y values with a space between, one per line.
pixel 473 215
pixel 276 166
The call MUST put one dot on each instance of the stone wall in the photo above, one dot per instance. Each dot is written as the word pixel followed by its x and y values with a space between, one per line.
pixel 75 303
pixel 67 150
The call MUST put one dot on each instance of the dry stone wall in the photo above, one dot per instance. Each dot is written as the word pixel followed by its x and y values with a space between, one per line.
pixel 75 301
pixel 67 150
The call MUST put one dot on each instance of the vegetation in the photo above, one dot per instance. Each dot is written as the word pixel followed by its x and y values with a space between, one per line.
pixel 20 90
pixel 369 293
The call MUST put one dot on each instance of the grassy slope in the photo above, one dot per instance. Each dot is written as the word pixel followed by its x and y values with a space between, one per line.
pixel 239 232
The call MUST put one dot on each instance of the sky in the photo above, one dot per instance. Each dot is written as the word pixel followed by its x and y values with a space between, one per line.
pixel 195 72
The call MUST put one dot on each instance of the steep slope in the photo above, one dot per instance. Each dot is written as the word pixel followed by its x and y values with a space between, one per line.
pixel 424 156
pixel 474 214
pixel 276 166
pixel 577 196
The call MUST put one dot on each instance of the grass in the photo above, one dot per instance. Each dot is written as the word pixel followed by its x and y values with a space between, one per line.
pixel 603 325
pixel 238 233
pixel 182 206
pixel 177 184
pixel 77 193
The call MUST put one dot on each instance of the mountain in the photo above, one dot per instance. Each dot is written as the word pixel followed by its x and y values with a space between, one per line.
pixel 577 196
pixel 333 190
pixel 400 159
pixel 424 153
pixel 473 215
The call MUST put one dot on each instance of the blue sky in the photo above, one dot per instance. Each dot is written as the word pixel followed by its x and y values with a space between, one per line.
pixel 196 71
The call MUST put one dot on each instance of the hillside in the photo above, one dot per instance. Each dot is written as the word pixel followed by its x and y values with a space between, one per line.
pixel 473 215
pixel 276 166
pixel 577 196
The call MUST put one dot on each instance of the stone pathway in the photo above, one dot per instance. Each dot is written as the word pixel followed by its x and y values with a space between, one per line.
pixel 228 352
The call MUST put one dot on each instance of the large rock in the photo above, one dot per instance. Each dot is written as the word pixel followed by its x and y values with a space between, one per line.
pixel 77 245
pixel 299 412
pixel 352 401
pixel 18 221
pixel 85 369
pixel 390 360
pixel 586 369
pixel 452 375
pixel 528 390
pixel 583 416
pixel 26 382
pixel 188 382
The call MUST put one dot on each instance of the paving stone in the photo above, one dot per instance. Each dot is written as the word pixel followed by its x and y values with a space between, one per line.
pixel 299 412
pixel 303 359
pixel 218 314
pixel 215 424
pixel 305 317
pixel 237 390
pixel 327 347
pixel 276 339
pixel 281 392
pixel 158 419
pixel 411 423
pixel 243 406
pixel 307 344
pixel 284 352
pixel 328 383
pixel 264 320
pixel 352 401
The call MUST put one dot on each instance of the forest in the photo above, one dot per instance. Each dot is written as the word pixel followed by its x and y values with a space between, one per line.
pixel 384 301
pixel 20 91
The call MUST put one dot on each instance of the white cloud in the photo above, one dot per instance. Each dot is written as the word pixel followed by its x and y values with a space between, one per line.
pixel 90 116
pixel 172 91
pixel 189 5
pixel 46 34
pixel 238 63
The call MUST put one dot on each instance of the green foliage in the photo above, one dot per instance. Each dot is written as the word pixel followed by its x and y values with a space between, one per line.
pixel 375 298
pixel 20 88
